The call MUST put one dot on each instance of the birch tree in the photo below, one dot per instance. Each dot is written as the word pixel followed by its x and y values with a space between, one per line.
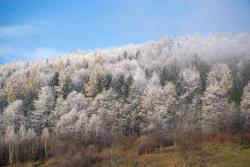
pixel 11 140
pixel 45 140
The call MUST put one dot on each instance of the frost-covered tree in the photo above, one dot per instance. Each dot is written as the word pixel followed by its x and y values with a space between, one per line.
pixel 74 100
pixel 215 106
pixel 189 98
pixel 158 104
pixel 245 106
pixel 44 106
pixel 225 79
pixel 10 91
pixel 79 78
pixel 94 85
pixel 190 78
pixel 94 128
pixel 10 139
pixel 81 125
pixel 31 140
pixel 203 68
pixel 88 128
pixel 21 142
pixel 132 107
pixel 109 109
pixel 13 115
pixel 26 144
pixel 65 127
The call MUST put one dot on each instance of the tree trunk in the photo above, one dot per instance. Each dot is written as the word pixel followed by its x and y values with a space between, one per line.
pixel 10 154
pixel 45 147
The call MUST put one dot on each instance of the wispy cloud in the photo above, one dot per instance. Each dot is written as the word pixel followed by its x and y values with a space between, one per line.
pixel 14 39
pixel 10 52
pixel 43 53
pixel 17 30
pixel 9 49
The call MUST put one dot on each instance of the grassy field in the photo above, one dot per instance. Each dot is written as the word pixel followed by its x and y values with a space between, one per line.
pixel 212 156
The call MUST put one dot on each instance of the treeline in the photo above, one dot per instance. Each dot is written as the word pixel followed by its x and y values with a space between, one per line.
pixel 173 89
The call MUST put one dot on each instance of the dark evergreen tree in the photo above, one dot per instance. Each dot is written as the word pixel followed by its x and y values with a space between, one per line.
pixel 137 54
pixel 67 87
pixel 148 73
pixel 170 74
pixel 106 83
pixel 237 89
pixel 241 78
pixel 203 68
pixel 121 86
pixel 3 100
pixel 117 84
pixel 163 77
pixel 55 80
pixel 28 101
pixel 127 87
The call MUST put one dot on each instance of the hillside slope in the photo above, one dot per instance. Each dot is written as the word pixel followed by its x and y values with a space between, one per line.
pixel 181 92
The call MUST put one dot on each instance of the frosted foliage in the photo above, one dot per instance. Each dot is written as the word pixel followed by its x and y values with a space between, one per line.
pixel 166 102
pixel 221 75
pixel 95 75
pixel 94 125
pixel 154 80
pixel 78 123
pixel 13 115
pixel 61 108
pixel 74 100
pixel 45 102
pixel 45 77
pixel 22 133
pixel 156 88
pixel 191 78
pixel 66 123
pixel 44 106
pixel 78 79
pixel 213 48
pixel 213 106
pixel 158 103
pixel 82 123
pixel 225 79
pixel 245 105
pixel 10 135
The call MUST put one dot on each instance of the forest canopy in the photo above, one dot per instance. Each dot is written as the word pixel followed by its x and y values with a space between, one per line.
pixel 164 88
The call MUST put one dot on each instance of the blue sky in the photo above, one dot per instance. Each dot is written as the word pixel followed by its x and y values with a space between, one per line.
pixel 39 29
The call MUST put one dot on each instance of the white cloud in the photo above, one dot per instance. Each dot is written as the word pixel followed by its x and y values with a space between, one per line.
pixel 9 49
pixel 12 52
pixel 43 53
pixel 17 30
